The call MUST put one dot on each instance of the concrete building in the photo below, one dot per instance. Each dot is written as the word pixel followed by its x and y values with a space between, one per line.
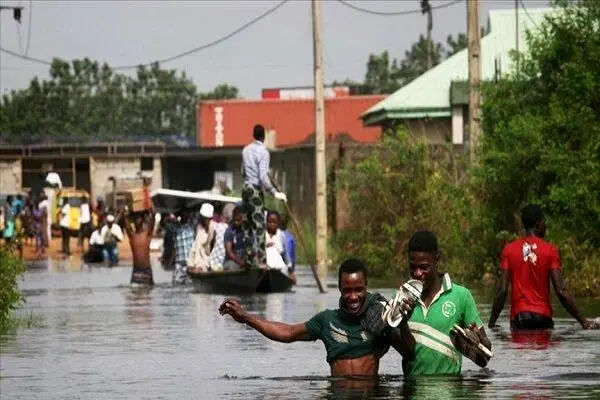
pixel 434 106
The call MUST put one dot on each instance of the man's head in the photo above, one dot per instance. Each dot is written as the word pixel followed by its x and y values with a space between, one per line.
pixel 84 200
pixel 9 200
pixel 533 220
pixel 236 217
pixel 110 220
pixel 259 132
pixel 352 281
pixel 423 258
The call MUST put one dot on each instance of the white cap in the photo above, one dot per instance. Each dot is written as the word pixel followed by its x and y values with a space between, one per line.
pixel 207 210
pixel 110 218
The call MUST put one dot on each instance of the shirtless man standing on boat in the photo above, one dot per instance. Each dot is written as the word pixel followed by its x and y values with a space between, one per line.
pixel 139 240
pixel 351 350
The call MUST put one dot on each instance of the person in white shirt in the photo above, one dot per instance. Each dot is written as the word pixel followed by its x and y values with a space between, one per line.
pixel 111 235
pixel 54 179
pixel 85 222
pixel 276 255
pixel 65 220
pixel 95 247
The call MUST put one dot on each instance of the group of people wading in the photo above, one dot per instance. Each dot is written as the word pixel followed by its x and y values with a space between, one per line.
pixel 355 338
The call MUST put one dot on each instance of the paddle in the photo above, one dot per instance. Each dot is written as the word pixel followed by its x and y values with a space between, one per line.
pixel 313 266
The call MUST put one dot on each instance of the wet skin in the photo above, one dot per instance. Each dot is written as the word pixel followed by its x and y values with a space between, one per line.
pixel 353 288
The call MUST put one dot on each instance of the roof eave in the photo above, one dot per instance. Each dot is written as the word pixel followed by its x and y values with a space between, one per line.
pixel 379 116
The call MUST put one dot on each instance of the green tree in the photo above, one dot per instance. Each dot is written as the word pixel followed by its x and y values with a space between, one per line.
pixel 542 128
pixel 11 267
pixel 85 99
pixel 453 45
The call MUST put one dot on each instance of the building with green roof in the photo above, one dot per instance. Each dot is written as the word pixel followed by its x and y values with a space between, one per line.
pixel 435 105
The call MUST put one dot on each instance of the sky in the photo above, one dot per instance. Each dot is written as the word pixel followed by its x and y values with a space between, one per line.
pixel 275 52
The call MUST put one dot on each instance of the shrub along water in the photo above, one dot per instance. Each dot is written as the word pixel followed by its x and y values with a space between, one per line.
pixel 541 144
pixel 11 268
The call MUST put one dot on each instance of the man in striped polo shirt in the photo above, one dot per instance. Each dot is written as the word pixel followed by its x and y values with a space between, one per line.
pixel 442 305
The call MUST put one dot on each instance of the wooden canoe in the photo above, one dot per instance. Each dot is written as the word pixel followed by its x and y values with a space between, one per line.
pixel 242 281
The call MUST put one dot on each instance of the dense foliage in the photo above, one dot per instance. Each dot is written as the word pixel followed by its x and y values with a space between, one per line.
pixel 84 99
pixel 11 268
pixel 541 144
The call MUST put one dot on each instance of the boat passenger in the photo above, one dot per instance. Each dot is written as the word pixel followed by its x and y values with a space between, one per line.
pixel 184 239
pixel 220 223
pixel 199 257
pixel 277 256
pixel 529 264
pixel 255 170
pixel 351 350
pixel 234 243
pixel 289 244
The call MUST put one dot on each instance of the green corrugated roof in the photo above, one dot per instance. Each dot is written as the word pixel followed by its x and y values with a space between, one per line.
pixel 429 94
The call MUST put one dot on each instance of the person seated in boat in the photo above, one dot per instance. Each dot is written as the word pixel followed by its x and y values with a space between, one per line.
pixel 289 242
pixel 95 253
pixel 199 259
pixel 139 239
pixel 277 256
pixel 234 243
pixel 220 223
pixel 351 350
pixel 111 235
pixel 184 239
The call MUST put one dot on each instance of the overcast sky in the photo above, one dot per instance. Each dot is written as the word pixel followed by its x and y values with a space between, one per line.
pixel 275 52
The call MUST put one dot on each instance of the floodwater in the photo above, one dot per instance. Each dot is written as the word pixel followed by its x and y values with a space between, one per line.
pixel 101 339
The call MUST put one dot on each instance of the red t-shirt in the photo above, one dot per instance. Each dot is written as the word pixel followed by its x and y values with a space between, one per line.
pixel 529 261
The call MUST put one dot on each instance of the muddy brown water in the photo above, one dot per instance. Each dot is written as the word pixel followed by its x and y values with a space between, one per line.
pixel 101 339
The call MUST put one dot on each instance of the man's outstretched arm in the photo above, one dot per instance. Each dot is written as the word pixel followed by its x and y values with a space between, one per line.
pixel 566 299
pixel 277 331
pixel 500 298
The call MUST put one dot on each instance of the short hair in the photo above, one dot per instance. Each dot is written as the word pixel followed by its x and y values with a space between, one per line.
pixel 273 212
pixel 424 242
pixel 531 215
pixel 259 132
pixel 351 266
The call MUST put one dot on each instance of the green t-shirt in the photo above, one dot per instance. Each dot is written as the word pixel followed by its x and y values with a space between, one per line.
pixel 343 335
pixel 435 353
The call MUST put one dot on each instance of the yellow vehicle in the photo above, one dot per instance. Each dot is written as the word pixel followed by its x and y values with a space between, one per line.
pixel 74 197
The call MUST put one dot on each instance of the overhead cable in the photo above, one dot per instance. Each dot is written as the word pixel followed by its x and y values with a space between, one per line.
pixel 395 13
pixel 172 58
pixel 30 11
pixel 527 12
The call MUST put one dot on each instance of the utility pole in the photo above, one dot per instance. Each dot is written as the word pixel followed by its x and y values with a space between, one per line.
pixel 426 9
pixel 473 37
pixel 320 161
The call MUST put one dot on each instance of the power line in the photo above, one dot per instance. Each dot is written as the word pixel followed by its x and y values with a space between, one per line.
pixel 527 12
pixel 30 11
pixel 172 58
pixel 395 13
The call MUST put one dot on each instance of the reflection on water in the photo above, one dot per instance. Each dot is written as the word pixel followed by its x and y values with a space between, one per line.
pixel 103 339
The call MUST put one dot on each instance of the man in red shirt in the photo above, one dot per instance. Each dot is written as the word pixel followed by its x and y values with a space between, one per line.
pixel 529 264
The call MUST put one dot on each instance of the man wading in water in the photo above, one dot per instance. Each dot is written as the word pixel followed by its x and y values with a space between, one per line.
pixel 139 240
pixel 351 350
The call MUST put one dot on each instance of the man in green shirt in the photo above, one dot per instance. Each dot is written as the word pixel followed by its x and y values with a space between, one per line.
pixel 442 305
pixel 351 349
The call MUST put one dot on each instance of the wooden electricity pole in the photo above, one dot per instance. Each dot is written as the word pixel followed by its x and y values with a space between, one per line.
pixel 426 9
pixel 320 162
pixel 473 36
